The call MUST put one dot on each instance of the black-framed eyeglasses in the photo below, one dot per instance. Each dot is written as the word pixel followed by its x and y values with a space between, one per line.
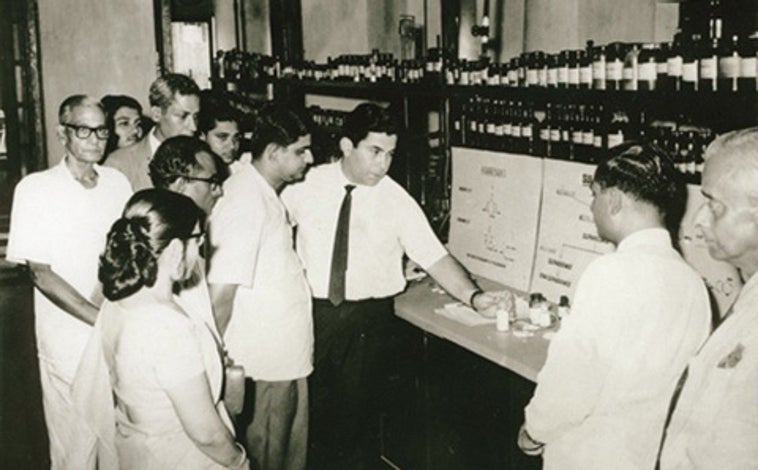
pixel 199 236
pixel 83 132
pixel 215 181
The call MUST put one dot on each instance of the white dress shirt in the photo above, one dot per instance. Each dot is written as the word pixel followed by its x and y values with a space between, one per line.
pixel 385 223
pixel 601 399
pixel 271 330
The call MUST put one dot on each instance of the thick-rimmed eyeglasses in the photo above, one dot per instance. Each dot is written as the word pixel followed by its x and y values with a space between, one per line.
pixel 200 236
pixel 83 132
pixel 215 181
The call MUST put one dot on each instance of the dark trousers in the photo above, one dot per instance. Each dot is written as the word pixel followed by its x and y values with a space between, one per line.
pixel 350 341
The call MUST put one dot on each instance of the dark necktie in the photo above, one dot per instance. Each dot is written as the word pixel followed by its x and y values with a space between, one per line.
pixel 339 253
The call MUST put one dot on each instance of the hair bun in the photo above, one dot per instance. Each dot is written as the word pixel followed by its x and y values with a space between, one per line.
pixel 128 262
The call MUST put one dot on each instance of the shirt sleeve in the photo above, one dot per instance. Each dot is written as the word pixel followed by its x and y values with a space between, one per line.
pixel 176 350
pixel 417 237
pixel 236 230
pixel 27 239
pixel 573 376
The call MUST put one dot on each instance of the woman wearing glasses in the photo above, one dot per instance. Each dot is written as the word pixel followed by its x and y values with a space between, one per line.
pixel 165 371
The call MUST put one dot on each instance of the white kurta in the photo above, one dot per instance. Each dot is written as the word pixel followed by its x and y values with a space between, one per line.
pixel 639 314
pixel 715 423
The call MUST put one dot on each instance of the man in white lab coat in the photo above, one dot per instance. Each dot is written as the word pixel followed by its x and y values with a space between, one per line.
pixel 638 315
pixel 714 421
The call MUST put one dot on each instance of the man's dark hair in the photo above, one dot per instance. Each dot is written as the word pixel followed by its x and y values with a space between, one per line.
pixel 213 111
pixel 278 125
pixel 164 88
pixel 646 173
pixel 177 157
pixel 365 118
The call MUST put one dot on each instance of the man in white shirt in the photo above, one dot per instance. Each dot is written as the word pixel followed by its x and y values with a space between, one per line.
pixel 638 315
pixel 187 165
pixel 353 303
pixel 59 221
pixel 174 106
pixel 260 295
pixel 714 421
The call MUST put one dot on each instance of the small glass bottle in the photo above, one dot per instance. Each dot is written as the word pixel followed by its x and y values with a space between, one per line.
pixel 647 74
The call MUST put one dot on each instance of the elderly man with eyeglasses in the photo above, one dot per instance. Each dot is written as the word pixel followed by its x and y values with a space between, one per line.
pixel 59 220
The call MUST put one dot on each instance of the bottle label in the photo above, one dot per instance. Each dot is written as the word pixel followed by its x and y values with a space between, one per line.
pixel 552 77
pixel 508 128
pixel 542 77
pixel 482 128
pixel 689 72
pixel 729 67
pixel 577 137
pixel 491 128
pixel 563 75
pixel 531 77
pixel 748 67
pixel 598 70
pixel 647 71
pixel 615 139
pixel 674 66
pixel 472 125
pixel 545 134
pixel 708 68
pixel 526 131
pixel 597 141
pixel 565 135
pixel 573 76
pixel 661 67
pixel 588 137
pixel 614 70
pixel 555 134
pixel 516 131
pixel 500 130
pixel 585 75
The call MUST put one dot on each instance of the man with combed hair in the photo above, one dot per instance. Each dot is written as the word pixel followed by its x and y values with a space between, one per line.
pixel 219 127
pixel 174 106
pixel 638 315
pixel 59 220
pixel 354 225
pixel 714 413
pixel 260 295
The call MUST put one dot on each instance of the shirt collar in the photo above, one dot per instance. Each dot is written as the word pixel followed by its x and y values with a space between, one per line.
pixel 648 236
pixel 154 142
pixel 267 189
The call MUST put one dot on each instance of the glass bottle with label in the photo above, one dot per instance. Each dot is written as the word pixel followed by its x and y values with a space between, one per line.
pixel 647 64
pixel 674 64
pixel 661 57
pixel 563 68
pixel 617 129
pixel 585 66
pixel 709 60
pixel 552 70
pixel 729 65
pixel 614 65
pixel 598 67
pixel 573 68
pixel 542 142
pixel 690 63
pixel 631 68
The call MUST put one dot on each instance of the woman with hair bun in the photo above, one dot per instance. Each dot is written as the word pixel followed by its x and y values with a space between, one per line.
pixel 165 370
